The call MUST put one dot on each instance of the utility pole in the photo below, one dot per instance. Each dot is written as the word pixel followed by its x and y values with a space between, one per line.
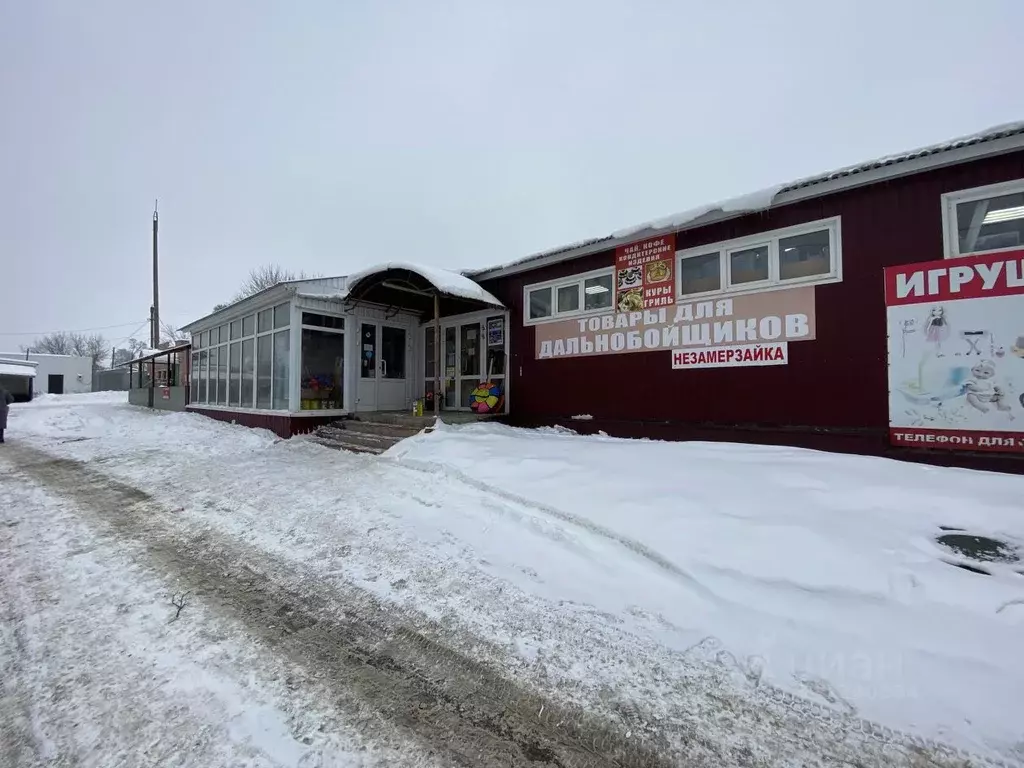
pixel 155 332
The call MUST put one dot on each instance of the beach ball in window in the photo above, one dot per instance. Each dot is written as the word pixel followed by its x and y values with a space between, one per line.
pixel 485 398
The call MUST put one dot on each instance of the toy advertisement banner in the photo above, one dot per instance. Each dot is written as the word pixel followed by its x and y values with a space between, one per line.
pixel 956 353
pixel 645 274
pixel 758 319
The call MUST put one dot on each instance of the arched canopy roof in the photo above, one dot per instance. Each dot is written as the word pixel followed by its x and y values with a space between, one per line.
pixel 413 287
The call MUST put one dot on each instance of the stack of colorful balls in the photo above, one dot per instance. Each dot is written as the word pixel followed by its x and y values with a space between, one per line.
pixel 486 398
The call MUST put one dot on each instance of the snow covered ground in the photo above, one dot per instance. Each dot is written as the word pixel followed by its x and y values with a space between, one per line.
pixel 693 604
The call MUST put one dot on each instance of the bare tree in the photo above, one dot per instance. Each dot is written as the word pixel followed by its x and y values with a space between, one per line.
pixel 132 349
pixel 267 276
pixel 61 343
pixel 51 344
pixel 169 332
pixel 261 278
pixel 136 346
pixel 94 346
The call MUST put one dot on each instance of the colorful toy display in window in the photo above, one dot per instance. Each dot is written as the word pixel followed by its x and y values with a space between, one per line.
pixel 486 398
pixel 318 392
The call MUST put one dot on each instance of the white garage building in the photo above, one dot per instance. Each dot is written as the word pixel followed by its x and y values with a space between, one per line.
pixel 57 374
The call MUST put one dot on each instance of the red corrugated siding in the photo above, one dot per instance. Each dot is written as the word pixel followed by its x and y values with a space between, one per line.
pixel 835 383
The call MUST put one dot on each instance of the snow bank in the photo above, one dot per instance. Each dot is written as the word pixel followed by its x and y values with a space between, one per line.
pixel 70 418
pixel 819 569
pixel 628 566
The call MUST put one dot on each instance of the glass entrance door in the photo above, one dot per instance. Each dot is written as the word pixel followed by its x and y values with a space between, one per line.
pixel 392 389
pixel 462 366
pixel 471 352
pixel 469 362
pixel 383 358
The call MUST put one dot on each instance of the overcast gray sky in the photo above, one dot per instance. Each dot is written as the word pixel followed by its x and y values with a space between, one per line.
pixel 327 135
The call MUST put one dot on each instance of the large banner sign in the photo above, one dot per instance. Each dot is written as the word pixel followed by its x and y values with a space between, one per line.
pixel 750 329
pixel 956 353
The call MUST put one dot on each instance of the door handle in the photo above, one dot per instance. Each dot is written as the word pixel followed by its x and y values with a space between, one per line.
pixel 384 367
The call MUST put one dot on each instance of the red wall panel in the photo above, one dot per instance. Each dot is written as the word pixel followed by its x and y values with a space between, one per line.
pixel 836 383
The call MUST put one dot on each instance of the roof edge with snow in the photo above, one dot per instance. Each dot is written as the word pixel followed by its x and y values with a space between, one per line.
pixel 18 367
pixel 997 140
pixel 447 283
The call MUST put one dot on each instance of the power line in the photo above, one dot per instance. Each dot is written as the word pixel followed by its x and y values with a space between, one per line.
pixel 130 335
pixel 80 330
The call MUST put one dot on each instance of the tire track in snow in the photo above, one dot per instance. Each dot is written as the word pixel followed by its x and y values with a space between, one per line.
pixel 634 546
pixel 926 753
pixel 347 640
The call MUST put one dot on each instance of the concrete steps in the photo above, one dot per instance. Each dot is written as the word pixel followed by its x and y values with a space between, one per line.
pixel 360 436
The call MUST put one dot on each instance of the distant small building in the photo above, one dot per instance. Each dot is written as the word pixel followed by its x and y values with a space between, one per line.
pixel 160 378
pixel 17 376
pixel 58 374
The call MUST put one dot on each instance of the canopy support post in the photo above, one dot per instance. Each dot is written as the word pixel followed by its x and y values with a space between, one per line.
pixel 437 354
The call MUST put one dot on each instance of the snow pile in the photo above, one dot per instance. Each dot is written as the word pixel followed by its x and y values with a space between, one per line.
pixel 74 418
pixel 819 569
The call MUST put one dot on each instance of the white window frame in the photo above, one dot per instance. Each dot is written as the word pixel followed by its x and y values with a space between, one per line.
pixel 579 280
pixel 950 200
pixel 225 346
pixel 771 239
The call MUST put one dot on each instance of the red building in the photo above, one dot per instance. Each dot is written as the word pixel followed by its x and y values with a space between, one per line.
pixel 766 318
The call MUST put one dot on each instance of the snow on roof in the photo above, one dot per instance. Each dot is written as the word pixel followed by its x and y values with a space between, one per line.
pixel 755 201
pixel 24 368
pixel 448 283
pixel 765 198
pixel 20 356
pixel 1000 131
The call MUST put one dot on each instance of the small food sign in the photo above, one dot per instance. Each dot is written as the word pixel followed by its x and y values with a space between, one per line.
pixel 644 274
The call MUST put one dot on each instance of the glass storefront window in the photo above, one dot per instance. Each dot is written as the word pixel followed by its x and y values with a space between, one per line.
pixel 281 315
pixel 429 354
pixel 469 341
pixel 597 292
pixel 248 364
pixel 264 367
pixel 234 371
pixel 496 361
pixel 222 373
pixel 266 320
pixel 212 391
pixel 203 374
pixel 748 265
pixel 323 370
pixel 281 367
pixel 450 395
